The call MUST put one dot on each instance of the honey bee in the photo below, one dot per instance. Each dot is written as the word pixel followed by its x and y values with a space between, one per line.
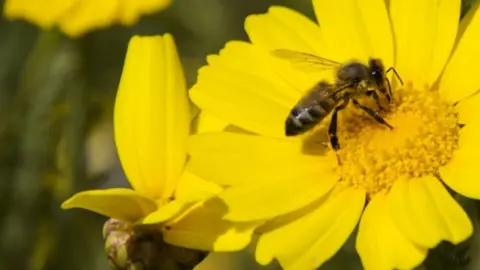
pixel 353 80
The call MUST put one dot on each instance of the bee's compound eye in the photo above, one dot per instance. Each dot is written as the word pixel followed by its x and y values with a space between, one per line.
pixel 377 75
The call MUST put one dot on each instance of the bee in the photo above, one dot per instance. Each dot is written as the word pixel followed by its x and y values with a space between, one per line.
pixel 353 80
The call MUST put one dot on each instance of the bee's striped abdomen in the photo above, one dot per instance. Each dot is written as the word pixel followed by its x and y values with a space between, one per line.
pixel 304 118
pixel 311 109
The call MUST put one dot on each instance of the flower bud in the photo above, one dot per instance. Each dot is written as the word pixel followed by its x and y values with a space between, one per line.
pixel 143 248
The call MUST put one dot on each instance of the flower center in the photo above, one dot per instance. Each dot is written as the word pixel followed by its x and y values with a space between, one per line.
pixel 424 136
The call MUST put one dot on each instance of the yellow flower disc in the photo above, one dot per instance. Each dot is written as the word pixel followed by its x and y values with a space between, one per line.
pixel 424 138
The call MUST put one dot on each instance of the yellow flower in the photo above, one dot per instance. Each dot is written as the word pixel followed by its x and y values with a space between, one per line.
pixel 77 17
pixel 391 182
pixel 151 124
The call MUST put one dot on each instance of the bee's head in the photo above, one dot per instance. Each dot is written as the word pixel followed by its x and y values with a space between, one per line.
pixel 377 71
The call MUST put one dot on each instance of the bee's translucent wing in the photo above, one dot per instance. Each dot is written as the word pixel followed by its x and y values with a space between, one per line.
pixel 306 61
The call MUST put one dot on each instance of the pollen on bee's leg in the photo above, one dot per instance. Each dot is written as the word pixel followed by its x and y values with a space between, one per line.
pixel 423 138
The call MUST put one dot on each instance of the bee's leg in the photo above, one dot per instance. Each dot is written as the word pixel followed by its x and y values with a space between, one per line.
pixel 372 113
pixel 396 74
pixel 376 97
pixel 389 91
pixel 332 129
pixel 390 95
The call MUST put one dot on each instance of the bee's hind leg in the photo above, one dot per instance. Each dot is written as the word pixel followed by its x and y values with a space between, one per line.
pixel 372 113
pixel 332 129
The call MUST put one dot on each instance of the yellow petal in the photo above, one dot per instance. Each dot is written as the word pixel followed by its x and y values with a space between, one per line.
pixel 270 176
pixel 88 15
pixel 425 213
pixel 190 190
pixel 240 260
pixel 231 158
pixel 460 79
pixel 284 28
pixel 309 241
pixel 247 87
pixel 130 10
pixel 467 109
pixel 380 244
pixel 466 18
pixel 446 33
pixel 204 229
pixel 206 122
pixel 356 29
pixel 152 116
pixel 76 18
pixel 424 38
pixel 193 188
pixel 167 211
pixel 276 196
pixel 461 173
pixel 42 13
pixel 118 203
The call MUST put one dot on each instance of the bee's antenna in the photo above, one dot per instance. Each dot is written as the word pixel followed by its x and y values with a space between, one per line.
pixel 396 74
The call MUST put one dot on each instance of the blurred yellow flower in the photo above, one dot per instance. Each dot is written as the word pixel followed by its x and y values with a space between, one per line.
pixel 77 17
pixel 391 182
pixel 151 124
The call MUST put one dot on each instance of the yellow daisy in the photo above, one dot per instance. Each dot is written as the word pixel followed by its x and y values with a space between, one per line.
pixel 151 123
pixel 390 182
pixel 77 17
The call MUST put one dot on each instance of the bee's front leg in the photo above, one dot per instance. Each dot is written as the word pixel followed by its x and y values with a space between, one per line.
pixel 372 113
pixel 376 97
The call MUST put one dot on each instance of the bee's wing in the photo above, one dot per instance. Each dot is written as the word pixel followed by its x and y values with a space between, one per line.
pixel 306 61
pixel 321 92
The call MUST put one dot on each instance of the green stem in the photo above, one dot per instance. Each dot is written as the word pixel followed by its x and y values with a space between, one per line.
pixel 39 89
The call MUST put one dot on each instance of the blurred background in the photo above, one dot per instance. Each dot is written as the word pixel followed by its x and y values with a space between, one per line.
pixel 56 133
